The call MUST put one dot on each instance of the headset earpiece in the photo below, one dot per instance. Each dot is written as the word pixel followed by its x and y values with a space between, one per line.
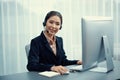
pixel 44 24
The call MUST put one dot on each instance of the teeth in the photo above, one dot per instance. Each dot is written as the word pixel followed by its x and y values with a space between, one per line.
pixel 53 29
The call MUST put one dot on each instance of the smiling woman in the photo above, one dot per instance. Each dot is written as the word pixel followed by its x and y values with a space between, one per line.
pixel 46 51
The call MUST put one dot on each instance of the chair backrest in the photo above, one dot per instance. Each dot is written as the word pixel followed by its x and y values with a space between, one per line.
pixel 27 49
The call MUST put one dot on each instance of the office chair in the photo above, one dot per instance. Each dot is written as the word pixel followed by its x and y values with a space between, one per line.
pixel 27 48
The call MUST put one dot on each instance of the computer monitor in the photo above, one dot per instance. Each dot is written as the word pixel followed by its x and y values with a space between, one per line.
pixel 95 32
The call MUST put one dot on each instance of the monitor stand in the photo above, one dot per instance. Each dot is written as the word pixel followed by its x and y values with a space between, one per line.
pixel 108 63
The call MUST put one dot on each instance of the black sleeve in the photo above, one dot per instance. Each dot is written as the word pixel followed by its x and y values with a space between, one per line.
pixel 65 61
pixel 33 59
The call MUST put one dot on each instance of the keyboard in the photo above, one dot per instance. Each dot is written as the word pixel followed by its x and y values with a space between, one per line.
pixel 75 67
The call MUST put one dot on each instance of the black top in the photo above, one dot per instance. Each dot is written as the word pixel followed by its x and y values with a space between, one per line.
pixel 41 56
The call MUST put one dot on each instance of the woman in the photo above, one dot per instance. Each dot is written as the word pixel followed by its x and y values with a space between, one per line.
pixel 46 51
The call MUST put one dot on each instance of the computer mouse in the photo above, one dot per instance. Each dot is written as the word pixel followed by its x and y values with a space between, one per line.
pixel 66 73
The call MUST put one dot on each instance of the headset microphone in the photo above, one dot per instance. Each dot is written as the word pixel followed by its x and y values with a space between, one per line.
pixel 47 31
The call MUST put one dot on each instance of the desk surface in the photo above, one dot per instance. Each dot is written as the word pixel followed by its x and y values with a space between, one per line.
pixel 86 75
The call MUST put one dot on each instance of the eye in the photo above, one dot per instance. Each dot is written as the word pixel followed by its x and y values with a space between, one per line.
pixel 51 22
pixel 57 23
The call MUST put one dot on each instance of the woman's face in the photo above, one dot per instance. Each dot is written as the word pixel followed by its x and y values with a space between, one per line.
pixel 53 25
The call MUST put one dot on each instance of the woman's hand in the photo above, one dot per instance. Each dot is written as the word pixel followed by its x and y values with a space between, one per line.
pixel 60 69
pixel 79 62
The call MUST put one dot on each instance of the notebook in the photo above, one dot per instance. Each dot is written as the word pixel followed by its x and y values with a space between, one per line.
pixel 49 73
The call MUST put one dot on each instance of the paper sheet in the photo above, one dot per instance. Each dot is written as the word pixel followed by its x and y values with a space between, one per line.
pixel 49 73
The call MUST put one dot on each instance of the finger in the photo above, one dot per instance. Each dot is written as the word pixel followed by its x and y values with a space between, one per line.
pixel 79 62
pixel 58 69
pixel 63 68
pixel 61 71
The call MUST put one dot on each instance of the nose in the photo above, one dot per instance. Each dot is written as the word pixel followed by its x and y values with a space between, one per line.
pixel 54 25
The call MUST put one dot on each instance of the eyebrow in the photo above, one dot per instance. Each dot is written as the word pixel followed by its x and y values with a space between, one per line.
pixel 54 21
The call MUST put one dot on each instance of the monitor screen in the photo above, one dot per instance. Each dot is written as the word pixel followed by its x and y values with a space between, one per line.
pixel 93 30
